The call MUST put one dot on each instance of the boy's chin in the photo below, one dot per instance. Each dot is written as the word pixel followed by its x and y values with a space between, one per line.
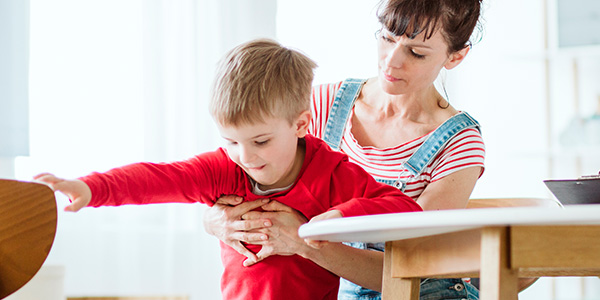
pixel 261 181
pixel 267 185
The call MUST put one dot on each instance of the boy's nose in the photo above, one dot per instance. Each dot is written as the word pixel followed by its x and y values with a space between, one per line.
pixel 246 155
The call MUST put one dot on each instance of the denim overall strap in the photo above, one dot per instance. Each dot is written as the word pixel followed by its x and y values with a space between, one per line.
pixel 340 111
pixel 435 143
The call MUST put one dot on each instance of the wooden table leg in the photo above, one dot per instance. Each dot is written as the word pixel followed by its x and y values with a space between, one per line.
pixel 498 280
pixel 397 288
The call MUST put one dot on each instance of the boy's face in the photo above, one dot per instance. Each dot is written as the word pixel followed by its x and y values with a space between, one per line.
pixel 267 152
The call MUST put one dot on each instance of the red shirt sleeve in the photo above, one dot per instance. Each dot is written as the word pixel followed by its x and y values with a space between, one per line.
pixel 199 179
pixel 367 196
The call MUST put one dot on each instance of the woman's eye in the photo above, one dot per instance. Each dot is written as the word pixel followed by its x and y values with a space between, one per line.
pixel 260 143
pixel 417 55
pixel 387 39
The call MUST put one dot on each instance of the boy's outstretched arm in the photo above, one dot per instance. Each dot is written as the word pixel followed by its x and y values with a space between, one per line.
pixel 78 191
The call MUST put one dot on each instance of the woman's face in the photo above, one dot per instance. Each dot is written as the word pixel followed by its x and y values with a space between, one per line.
pixel 410 65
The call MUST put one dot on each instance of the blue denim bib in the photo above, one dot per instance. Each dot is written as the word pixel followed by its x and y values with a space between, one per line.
pixel 334 130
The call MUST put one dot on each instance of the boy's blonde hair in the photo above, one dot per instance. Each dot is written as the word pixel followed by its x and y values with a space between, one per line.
pixel 260 79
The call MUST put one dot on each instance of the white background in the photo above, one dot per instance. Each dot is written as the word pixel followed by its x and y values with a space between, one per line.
pixel 114 82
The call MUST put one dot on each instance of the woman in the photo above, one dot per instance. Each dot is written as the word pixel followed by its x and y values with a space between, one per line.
pixel 388 118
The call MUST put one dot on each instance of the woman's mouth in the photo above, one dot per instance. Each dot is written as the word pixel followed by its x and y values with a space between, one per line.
pixel 390 78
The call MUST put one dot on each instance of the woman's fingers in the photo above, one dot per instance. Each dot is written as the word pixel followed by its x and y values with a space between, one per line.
pixel 230 200
pixel 235 212
pixel 249 237
pixel 237 246
pixel 264 252
pixel 225 222
pixel 277 206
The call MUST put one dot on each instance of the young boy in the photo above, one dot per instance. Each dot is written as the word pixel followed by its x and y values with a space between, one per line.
pixel 261 104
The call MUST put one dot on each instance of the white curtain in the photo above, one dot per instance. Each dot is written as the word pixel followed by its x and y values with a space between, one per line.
pixel 14 54
pixel 114 82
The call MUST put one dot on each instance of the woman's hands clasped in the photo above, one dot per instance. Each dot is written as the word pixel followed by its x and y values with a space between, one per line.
pixel 275 228
pixel 283 236
pixel 224 221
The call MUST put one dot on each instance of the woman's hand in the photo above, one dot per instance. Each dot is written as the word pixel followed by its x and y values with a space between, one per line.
pixel 283 236
pixel 224 221
pixel 78 191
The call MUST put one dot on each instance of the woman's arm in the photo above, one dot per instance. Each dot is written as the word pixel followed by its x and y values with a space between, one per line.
pixel 451 192
pixel 363 267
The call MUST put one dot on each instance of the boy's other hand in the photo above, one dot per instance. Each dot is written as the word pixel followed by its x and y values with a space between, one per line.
pixel 78 191
pixel 332 214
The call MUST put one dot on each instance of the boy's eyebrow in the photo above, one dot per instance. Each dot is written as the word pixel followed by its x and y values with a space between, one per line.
pixel 251 138
pixel 260 135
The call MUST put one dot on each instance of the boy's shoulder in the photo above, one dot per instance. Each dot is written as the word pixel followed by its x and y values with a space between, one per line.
pixel 318 152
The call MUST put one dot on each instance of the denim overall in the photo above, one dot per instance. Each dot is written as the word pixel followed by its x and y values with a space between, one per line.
pixel 431 289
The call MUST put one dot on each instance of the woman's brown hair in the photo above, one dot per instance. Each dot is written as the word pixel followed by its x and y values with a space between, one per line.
pixel 456 19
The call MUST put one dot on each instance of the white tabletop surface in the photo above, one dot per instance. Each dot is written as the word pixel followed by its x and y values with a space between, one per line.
pixel 390 227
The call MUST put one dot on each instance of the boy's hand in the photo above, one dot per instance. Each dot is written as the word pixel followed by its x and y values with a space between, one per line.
pixel 78 191
pixel 332 214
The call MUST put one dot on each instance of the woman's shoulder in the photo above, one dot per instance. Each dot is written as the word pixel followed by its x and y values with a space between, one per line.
pixel 463 124
pixel 465 142
pixel 463 133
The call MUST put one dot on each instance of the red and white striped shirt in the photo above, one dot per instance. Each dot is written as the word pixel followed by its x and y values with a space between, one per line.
pixel 464 150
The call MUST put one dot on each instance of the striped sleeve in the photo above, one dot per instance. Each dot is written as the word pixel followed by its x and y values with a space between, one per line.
pixel 465 150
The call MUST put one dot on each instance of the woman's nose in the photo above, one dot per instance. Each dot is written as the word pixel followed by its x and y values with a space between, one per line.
pixel 394 57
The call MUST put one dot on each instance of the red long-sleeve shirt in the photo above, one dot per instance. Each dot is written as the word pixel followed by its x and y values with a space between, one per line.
pixel 327 180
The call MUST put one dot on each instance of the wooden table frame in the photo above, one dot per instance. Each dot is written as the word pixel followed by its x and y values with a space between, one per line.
pixel 499 255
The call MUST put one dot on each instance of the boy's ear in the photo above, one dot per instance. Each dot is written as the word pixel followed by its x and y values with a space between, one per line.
pixel 302 123
pixel 456 58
